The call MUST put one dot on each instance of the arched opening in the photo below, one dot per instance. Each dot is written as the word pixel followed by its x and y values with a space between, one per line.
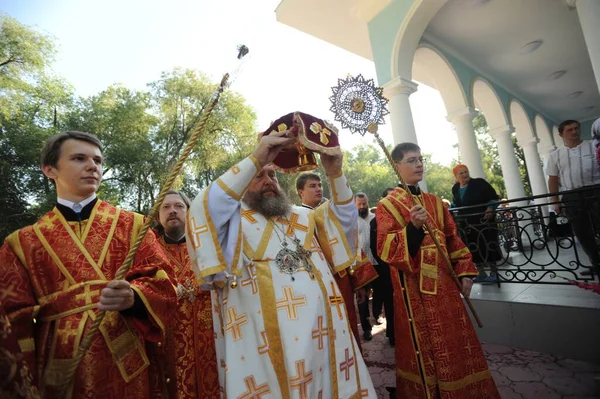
pixel 487 101
pixel 521 122
pixel 433 70
pixel 409 35
pixel 543 134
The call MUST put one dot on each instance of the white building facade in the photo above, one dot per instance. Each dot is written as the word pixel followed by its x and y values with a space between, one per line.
pixel 527 65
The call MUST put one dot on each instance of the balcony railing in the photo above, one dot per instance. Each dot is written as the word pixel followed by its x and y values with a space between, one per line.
pixel 525 243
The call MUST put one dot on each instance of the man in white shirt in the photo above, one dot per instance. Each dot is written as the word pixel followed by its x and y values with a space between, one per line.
pixel 572 167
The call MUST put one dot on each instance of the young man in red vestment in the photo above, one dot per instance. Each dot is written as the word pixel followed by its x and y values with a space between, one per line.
pixel 191 361
pixel 62 271
pixel 438 354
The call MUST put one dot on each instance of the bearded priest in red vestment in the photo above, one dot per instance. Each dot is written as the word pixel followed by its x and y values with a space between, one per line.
pixel 61 272
pixel 189 355
pixel 438 354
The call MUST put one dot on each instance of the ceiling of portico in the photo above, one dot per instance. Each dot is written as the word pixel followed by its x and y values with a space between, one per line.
pixel 340 22
pixel 488 34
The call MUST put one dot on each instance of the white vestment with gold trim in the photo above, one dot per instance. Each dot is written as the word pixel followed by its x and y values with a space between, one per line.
pixel 277 337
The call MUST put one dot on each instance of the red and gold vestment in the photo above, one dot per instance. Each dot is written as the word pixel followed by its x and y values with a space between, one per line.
pixel 190 348
pixel 57 269
pixel 362 274
pixel 438 354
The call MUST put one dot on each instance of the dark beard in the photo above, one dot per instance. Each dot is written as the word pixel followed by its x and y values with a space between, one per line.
pixel 175 233
pixel 363 213
pixel 277 206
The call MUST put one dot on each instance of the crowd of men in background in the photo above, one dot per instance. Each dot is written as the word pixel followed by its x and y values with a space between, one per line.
pixel 56 272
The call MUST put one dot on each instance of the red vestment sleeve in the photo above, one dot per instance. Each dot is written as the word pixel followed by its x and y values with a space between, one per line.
pixel 363 272
pixel 392 243
pixel 152 278
pixel 18 303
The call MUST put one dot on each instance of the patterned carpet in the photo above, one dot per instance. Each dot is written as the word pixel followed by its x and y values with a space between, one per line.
pixel 519 374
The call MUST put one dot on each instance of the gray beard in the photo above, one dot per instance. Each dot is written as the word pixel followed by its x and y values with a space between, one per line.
pixel 277 206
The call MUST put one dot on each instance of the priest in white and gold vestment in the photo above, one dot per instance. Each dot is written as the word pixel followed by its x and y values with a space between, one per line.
pixel 281 324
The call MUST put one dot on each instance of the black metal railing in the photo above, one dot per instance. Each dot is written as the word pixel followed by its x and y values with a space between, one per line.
pixel 523 242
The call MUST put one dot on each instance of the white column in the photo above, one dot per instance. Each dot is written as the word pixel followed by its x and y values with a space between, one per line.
pixel 534 166
pixel 589 12
pixel 508 161
pixel 462 120
pixel 544 151
pixel 397 92
pixel 538 187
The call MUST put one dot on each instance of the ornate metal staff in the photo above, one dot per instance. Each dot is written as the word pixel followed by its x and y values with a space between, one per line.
pixel 360 106
pixel 87 341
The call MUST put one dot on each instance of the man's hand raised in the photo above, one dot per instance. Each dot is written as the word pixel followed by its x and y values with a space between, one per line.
pixel 332 164
pixel 269 146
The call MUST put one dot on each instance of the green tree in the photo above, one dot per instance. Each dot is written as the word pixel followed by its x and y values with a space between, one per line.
pixel 179 99
pixel 31 100
pixel 439 178
pixel 122 120
pixel 25 56
pixel 144 133
pixel 369 171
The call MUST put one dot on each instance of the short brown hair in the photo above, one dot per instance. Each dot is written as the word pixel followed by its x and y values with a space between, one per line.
pixel 184 197
pixel 304 177
pixel 401 149
pixel 566 123
pixel 51 150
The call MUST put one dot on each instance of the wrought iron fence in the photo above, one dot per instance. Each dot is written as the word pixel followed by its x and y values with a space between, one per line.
pixel 524 242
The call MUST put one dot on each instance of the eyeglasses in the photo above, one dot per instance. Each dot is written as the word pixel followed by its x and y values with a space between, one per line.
pixel 413 161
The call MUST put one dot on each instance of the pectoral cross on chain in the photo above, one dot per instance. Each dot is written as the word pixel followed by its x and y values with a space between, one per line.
pixel 304 256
